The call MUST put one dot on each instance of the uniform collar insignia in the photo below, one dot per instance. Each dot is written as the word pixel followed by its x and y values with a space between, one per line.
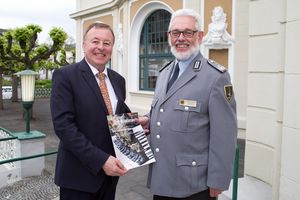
pixel 197 65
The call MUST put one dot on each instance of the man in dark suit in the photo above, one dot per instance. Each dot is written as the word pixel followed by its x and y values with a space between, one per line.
pixel 86 167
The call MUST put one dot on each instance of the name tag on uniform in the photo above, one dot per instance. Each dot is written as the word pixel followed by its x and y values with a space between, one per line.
pixel 186 102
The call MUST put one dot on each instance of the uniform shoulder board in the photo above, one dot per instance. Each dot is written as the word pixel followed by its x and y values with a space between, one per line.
pixel 216 65
pixel 165 65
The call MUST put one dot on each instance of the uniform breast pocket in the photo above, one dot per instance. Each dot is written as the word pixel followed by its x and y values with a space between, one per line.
pixel 186 118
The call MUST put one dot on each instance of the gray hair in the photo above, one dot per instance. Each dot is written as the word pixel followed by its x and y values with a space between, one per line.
pixel 187 12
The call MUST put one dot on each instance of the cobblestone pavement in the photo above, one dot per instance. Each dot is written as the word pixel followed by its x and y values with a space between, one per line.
pixel 38 187
pixel 130 187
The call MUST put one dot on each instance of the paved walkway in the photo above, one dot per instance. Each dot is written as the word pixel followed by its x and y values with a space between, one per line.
pixel 130 187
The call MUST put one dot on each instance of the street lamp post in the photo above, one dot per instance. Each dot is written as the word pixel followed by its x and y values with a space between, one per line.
pixel 29 142
pixel 27 90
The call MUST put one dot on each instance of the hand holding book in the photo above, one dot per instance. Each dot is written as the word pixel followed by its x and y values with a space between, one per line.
pixel 114 167
pixel 144 121
pixel 129 140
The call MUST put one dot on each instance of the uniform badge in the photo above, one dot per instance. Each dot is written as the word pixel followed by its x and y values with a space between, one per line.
pixel 189 103
pixel 228 92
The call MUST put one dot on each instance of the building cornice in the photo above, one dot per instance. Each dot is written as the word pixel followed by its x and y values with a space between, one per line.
pixel 103 8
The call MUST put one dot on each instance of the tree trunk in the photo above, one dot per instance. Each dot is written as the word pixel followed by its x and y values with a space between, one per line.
pixel 1 96
pixel 14 83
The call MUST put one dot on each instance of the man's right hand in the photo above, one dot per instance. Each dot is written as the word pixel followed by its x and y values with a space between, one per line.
pixel 114 167
pixel 144 121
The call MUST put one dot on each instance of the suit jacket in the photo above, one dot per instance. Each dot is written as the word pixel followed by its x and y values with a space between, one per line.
pixel 79 119
pixel 193 131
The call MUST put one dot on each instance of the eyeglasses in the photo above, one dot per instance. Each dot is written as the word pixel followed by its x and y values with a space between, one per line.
pixel 186 33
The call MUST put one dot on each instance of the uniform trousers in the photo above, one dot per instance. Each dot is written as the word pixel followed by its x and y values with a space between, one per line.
pixel 204 195
pixel 106 192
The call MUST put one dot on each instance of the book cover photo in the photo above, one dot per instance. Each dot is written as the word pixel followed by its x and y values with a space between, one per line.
pixel 129 140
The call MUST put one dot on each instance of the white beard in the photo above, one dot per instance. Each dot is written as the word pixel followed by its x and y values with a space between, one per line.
pixel 185 55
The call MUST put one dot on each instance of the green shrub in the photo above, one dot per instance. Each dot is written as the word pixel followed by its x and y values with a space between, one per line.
pixel 43 83
pixel 6 82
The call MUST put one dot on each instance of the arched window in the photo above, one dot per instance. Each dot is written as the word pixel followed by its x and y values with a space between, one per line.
pixel 154 48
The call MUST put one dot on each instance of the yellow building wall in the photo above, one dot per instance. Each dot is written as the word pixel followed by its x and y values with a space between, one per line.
pixel 220 56
pixel 135 6
pixel 107 19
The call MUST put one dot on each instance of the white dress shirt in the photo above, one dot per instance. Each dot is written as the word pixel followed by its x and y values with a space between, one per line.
pixel 112 94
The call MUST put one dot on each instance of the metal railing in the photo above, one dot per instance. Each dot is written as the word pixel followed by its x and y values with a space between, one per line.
pixel 27 157
pixel 6 135
pixel 235 173
pixel 5 142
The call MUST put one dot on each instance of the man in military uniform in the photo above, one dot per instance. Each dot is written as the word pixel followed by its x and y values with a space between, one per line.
pixel 192 120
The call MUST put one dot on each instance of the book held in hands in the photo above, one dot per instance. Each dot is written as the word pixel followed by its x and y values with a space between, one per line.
pixel 129 140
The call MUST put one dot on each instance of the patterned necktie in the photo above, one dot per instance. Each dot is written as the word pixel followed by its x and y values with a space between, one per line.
pixel 104 92
pixel 174 77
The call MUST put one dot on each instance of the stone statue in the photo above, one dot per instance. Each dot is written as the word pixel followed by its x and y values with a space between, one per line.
pixel 217 33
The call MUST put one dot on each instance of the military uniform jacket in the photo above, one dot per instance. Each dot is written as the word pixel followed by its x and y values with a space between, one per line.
pixel 193 130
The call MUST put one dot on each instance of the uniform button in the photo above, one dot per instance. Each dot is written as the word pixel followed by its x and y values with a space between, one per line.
pixel 157 136
pixel 158 123
pixel 194 163
pixel 161 110
pixel 186 108
pixel 157 149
